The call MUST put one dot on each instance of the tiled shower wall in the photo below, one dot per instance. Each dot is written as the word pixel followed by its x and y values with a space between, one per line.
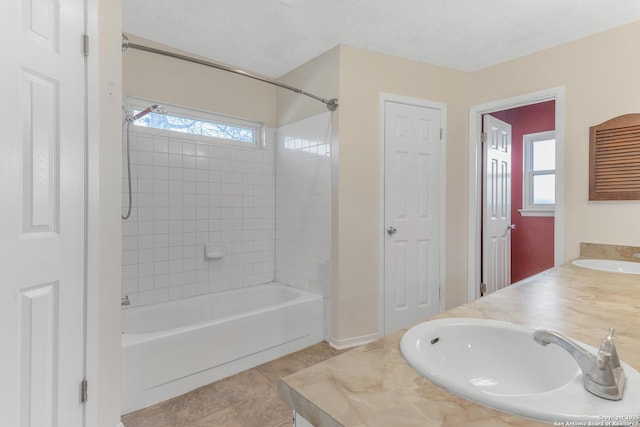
pixel 188 192
pixel 303 206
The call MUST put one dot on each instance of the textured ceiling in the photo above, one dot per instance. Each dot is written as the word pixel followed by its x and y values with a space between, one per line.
pixel 272 37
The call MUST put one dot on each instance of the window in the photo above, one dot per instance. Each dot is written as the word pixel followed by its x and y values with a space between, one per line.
pixel 197 123
pixel 539 174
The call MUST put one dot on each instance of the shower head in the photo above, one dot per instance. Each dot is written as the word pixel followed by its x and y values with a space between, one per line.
pixel 151 109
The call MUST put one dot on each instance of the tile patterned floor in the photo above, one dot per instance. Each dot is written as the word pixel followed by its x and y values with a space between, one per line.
pixel 247 399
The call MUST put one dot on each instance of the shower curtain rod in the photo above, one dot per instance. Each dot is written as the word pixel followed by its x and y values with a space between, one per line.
pixel 331 104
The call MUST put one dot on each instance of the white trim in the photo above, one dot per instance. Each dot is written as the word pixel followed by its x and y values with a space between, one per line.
pixel 352 342
pixel 92 285
pixel 524 212
pixel 475 157
pixel 383 98
pixel 104 93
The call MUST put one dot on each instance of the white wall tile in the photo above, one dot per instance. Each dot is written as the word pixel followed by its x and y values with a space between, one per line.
pixel 160 281
pixel 175 146
pixel 188 162
pixel 144 143
pixel 146 284
pixel 303 204
pixel 188 149
pixel 145 269
pixel 144 158
pixel 175 161
pixel 161 145
pixel 129 286
pixel 145 255
pixel 175 292
pixel 143 298
pixel 188 194
pixel 160 295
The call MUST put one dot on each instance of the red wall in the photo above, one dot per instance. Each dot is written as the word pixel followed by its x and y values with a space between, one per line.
pixel 532 240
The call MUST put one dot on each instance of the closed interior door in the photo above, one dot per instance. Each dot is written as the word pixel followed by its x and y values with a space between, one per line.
pixel 42 218
pixel 412 173
pixel 496 212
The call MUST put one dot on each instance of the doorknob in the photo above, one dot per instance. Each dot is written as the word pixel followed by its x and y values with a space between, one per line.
pixel 391 230
pixel 509 227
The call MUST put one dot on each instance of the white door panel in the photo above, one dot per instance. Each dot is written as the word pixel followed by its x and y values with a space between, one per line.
pixel 496 214
pixel 42 217
pixel 412 214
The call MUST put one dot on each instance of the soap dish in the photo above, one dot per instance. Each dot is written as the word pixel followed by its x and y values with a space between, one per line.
pixel 213 251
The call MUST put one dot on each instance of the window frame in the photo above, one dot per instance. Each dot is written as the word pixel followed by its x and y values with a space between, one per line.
pixel 133 103
pixel 528 207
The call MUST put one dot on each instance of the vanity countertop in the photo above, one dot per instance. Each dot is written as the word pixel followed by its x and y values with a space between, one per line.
pixel 373 386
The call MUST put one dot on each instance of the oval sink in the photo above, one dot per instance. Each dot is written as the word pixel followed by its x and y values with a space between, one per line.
pixel 614 266
pixel 498 364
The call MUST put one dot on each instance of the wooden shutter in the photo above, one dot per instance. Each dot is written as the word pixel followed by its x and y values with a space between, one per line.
pixel 614 159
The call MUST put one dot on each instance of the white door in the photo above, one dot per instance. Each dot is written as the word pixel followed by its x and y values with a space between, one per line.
pixel 412 173
pixel 496 205
pixel 42 218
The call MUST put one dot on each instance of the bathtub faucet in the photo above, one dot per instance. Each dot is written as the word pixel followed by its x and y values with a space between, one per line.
pixel 124 301
pixel 602 374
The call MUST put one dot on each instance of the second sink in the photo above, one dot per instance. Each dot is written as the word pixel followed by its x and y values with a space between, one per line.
pixel 611 265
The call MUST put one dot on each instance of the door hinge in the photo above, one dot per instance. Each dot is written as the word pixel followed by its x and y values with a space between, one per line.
pixel 483 288
pixel 85 45
pixel 483 137
pixel 84 385
pixel 441 133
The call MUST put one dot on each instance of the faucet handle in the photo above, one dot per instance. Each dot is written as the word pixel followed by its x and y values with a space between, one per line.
pixel 607 347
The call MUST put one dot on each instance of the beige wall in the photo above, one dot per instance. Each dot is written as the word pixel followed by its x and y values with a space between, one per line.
pixel 319 77
pixel 363 76
pixel 601 77
pixel 173 81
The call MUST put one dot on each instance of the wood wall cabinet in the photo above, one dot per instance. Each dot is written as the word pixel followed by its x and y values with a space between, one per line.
pixel 614 159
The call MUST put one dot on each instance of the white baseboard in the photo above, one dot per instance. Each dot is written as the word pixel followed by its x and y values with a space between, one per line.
pixel 352 342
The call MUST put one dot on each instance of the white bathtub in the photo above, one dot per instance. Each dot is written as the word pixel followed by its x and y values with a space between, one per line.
pixel 171 348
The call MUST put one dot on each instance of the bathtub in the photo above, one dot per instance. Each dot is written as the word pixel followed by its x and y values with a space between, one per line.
pixel 171 348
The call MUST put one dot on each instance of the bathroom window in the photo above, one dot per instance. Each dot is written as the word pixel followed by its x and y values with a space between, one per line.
pixel 539 174
pixel 197 123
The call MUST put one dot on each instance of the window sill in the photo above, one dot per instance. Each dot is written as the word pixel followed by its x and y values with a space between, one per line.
pixel 536 213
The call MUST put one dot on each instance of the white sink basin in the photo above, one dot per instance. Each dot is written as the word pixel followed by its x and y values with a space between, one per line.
pixel 498 364
pixel 615 266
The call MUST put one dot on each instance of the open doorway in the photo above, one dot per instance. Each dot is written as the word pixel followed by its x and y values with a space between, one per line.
pixel 538 239
pixel 532 187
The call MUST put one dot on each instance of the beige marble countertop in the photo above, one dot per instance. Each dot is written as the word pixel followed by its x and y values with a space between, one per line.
pixel 373 386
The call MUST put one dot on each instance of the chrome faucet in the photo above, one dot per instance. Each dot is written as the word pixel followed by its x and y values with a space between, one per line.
pixel 602 373
pixel 124 301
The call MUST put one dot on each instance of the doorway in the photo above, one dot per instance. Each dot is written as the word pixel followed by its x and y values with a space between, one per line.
pixel 500 109
pixel 532 166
